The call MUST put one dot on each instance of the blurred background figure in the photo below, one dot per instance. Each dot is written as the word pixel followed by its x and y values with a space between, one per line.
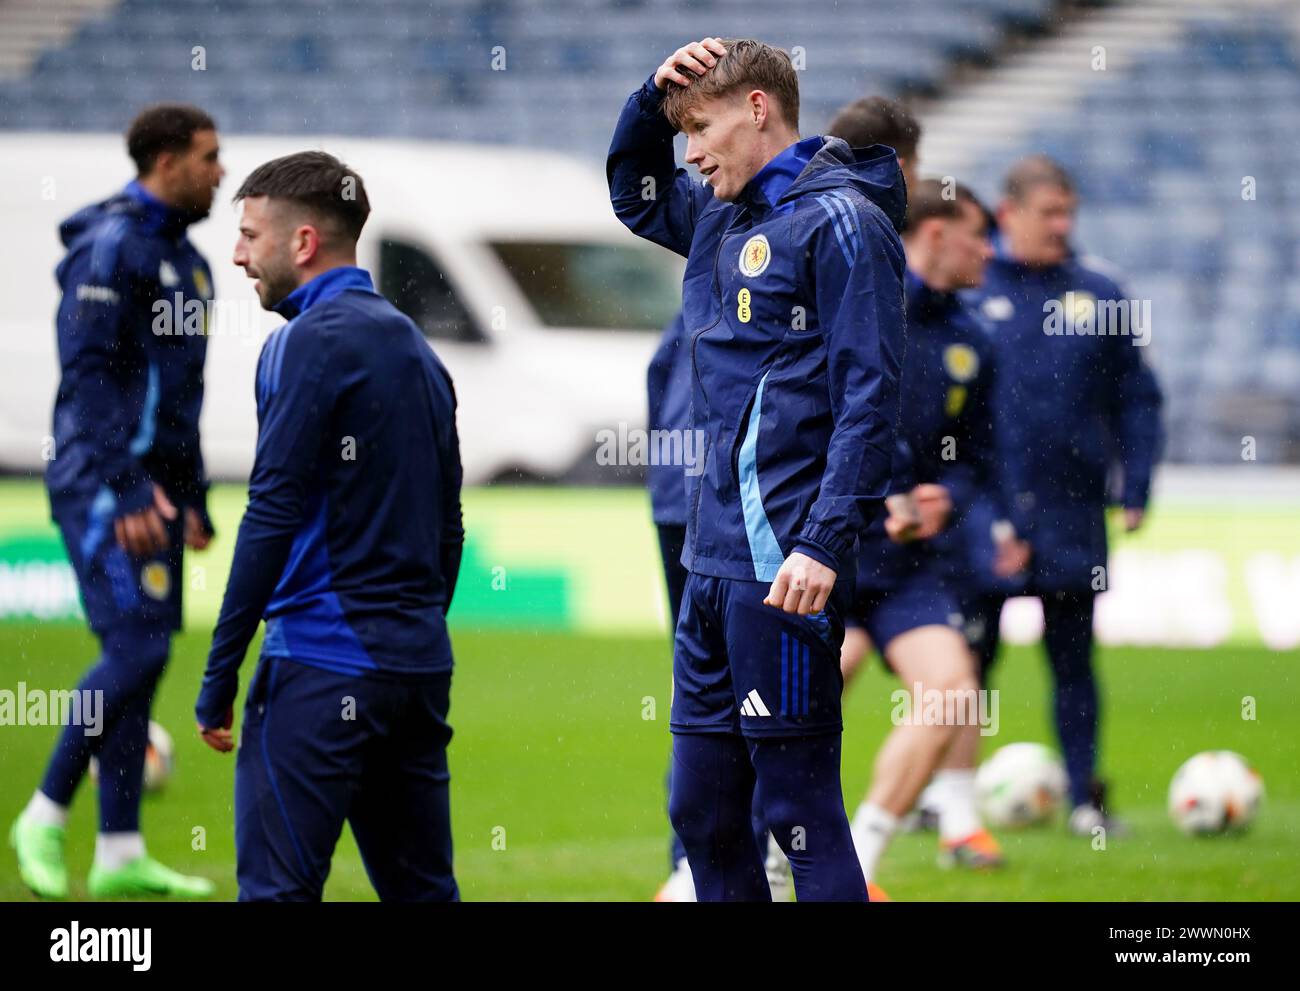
pixel 1076 405
pixel 127 485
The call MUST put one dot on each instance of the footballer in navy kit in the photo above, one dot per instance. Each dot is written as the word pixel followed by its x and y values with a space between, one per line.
pixel 793 308
pixel 126 482
pixel 1075 399
pixel 350 549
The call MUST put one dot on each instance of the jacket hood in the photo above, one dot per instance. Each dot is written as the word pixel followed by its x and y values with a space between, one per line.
pixel 873 171
pixel 134 203
pixel 87 217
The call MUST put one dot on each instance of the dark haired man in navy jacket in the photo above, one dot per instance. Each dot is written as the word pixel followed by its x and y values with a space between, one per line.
pixel 350 549
pixel 126 483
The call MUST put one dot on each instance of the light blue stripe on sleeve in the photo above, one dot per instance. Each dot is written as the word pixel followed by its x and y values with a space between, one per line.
pixel 279 356
pixel 104 249
pixel 847 214
pixel 265 363
pixel 99 521
pixel 143 439
pixel 763 545
pixel 836 225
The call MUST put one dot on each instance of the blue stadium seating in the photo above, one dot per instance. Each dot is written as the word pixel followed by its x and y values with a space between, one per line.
pixel 1159 149
pixel 1160 152
pixel 327 65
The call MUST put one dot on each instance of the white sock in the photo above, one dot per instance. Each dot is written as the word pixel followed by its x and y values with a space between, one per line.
pixel 116 850
pixel 872 828
pixel 932 797
pixel 957 816
pixel 776 860
pixel 45 811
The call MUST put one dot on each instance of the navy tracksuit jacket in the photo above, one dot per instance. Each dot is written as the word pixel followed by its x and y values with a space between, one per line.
pixel 351 543
pixel 131 333
pixel 1072 407
pixel 127 412
pixel 350 549
pixel 794 317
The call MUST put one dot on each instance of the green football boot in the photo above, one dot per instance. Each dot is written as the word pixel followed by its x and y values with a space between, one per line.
pixel 144 876
pixel 40 857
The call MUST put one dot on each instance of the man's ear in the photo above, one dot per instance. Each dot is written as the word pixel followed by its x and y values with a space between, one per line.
pixel 759 107
pixel 305 244
pixel 162 163
pixel 930 232
pixel 1005 209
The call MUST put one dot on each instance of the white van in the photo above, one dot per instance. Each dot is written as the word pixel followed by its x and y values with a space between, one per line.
pixel 542 306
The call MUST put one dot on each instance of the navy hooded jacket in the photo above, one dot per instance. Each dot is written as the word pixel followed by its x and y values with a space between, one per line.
pixel 946 424
pixel 132 342
pixel 668 388
pixel 351 543
pixel 1074 406
pixel 793 306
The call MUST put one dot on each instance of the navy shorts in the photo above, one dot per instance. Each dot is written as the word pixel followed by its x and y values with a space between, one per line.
pixel 919 599
pixel 744 668
pixel 318 749
pixel 118 588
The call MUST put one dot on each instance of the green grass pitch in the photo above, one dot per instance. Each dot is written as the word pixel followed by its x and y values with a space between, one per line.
pixel 561 744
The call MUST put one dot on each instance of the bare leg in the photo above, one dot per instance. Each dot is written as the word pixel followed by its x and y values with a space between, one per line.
pixel 856 649
pixel 936 658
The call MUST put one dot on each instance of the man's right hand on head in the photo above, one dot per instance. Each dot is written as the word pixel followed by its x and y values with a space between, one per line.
pixel 144 533
pixel 698 57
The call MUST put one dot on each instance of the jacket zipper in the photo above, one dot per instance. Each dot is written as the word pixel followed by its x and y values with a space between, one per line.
pixel 695 370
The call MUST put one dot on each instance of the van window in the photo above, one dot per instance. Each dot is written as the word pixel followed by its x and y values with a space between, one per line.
pixel 595 286
pixel 416 285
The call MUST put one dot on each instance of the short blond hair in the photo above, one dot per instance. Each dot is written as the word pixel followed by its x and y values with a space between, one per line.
pixel 748 64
